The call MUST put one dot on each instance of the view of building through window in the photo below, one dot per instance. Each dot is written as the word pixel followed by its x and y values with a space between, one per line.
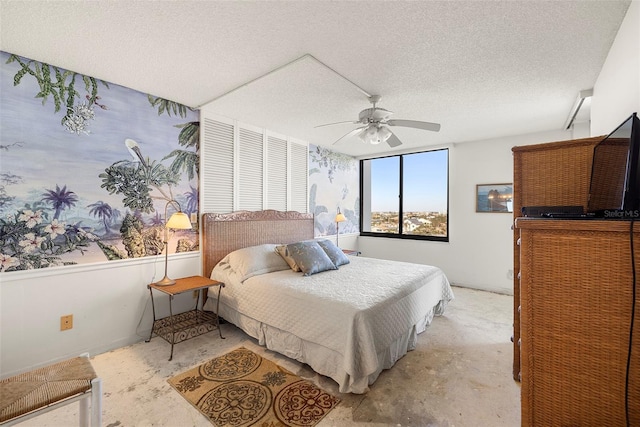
pixel 415 185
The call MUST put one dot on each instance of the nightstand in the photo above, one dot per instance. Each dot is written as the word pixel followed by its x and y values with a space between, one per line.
pixel 180 327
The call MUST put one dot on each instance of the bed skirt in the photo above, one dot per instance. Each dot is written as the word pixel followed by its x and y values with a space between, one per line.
pixel 321 359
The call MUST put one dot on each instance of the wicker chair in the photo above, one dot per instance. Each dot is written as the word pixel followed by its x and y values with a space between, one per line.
pixel 30 394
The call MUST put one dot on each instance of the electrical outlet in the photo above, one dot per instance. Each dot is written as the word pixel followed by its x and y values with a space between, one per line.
pixel 66 322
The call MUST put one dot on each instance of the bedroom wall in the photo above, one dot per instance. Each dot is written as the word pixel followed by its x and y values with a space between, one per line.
pixel 616 93
pixel 479 253
pixel 109 302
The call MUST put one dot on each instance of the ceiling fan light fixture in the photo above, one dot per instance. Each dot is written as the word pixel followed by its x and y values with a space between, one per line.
pixel 384 133
pixel 374 134
pixel 375 123
pixel 370 135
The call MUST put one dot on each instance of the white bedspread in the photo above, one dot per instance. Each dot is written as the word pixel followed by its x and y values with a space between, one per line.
pixel 357 311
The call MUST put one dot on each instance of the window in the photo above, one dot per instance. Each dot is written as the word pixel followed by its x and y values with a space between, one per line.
pixel 406 196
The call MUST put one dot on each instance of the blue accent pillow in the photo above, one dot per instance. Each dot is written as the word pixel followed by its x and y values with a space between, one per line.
pixel 335 253
pixel 310 257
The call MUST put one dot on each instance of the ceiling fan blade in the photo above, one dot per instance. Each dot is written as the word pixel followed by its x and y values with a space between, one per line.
pixel 393 141
pixel 336 123
pixel 352 133
pixel 435 127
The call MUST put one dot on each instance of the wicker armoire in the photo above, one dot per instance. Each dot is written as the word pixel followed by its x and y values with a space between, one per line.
pixel 573 295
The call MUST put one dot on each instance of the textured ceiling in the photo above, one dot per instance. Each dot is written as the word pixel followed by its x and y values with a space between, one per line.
pixel 482 69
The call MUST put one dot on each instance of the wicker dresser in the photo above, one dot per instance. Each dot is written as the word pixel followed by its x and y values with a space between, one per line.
pixel 576 298
pixel 551 174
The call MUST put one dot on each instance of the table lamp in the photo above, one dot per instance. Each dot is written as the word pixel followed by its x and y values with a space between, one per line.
pixel 178 221
pixel 339 218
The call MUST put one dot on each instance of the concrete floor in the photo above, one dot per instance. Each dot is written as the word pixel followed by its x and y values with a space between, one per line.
pixel 459 375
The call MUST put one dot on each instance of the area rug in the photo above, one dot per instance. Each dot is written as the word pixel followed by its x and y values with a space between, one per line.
pixel 242 388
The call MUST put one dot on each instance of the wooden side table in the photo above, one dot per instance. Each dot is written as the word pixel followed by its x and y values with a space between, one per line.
pixel 180 327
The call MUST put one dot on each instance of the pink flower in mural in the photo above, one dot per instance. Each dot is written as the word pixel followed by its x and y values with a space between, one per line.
pixel 31 242
pixel 7 261
pixel 31 218
pixel 55 229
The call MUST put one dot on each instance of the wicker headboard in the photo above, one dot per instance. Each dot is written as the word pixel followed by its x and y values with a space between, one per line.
pixel 224 233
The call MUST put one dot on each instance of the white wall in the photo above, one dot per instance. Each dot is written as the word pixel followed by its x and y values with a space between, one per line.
pixel 109 302
pixel 616 93
pixel 479 253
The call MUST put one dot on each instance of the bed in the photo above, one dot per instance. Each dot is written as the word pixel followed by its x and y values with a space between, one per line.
pixel 348 323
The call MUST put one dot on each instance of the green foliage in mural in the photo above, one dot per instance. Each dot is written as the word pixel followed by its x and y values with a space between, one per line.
pixel 61 87
pixel 135 181
pixel 7 178
pixel 166 106
pixel 187 161
pixel 331 161
pixel 111 252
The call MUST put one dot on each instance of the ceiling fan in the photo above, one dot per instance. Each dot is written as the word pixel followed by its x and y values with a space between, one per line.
pixel 376 122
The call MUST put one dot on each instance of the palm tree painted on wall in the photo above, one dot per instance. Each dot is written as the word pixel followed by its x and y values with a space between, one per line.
pixel 103 211
pixel 60 199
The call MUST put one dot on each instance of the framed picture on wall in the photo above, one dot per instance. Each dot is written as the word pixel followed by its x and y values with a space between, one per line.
pixel 494 198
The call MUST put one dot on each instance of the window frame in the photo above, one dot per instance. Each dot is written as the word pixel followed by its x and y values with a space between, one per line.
pixel 400 234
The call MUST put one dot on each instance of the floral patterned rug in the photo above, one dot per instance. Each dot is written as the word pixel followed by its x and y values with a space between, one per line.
pixel 242 388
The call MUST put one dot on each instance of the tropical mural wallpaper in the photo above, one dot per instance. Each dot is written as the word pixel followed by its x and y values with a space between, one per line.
pixel 88 168
pixel 333 183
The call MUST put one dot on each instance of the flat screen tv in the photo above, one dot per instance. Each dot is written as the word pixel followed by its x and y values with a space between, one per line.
pixel 614 190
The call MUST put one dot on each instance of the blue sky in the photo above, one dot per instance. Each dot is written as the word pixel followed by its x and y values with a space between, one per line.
pixel 425 182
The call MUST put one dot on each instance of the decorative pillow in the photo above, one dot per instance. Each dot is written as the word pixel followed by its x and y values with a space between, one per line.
pixel 310 257
pixel 284 253
pixel 254 260
pixel 335 253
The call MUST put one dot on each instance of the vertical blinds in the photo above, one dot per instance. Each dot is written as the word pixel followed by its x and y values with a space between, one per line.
pixel 299 177
pixel 277 160
pixel 250 167
pixel 216 192
pixel 245 168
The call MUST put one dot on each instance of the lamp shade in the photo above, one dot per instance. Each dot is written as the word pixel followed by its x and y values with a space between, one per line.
pixel 179 220
pixel 340 217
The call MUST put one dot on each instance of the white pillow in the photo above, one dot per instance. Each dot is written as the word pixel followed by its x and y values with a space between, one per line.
pixel 254 260
pixel 223 272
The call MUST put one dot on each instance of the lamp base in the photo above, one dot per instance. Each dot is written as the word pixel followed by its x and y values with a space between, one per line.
pixel 165 282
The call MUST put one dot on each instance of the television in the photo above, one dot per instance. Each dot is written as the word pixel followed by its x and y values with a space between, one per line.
pixel 614 190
